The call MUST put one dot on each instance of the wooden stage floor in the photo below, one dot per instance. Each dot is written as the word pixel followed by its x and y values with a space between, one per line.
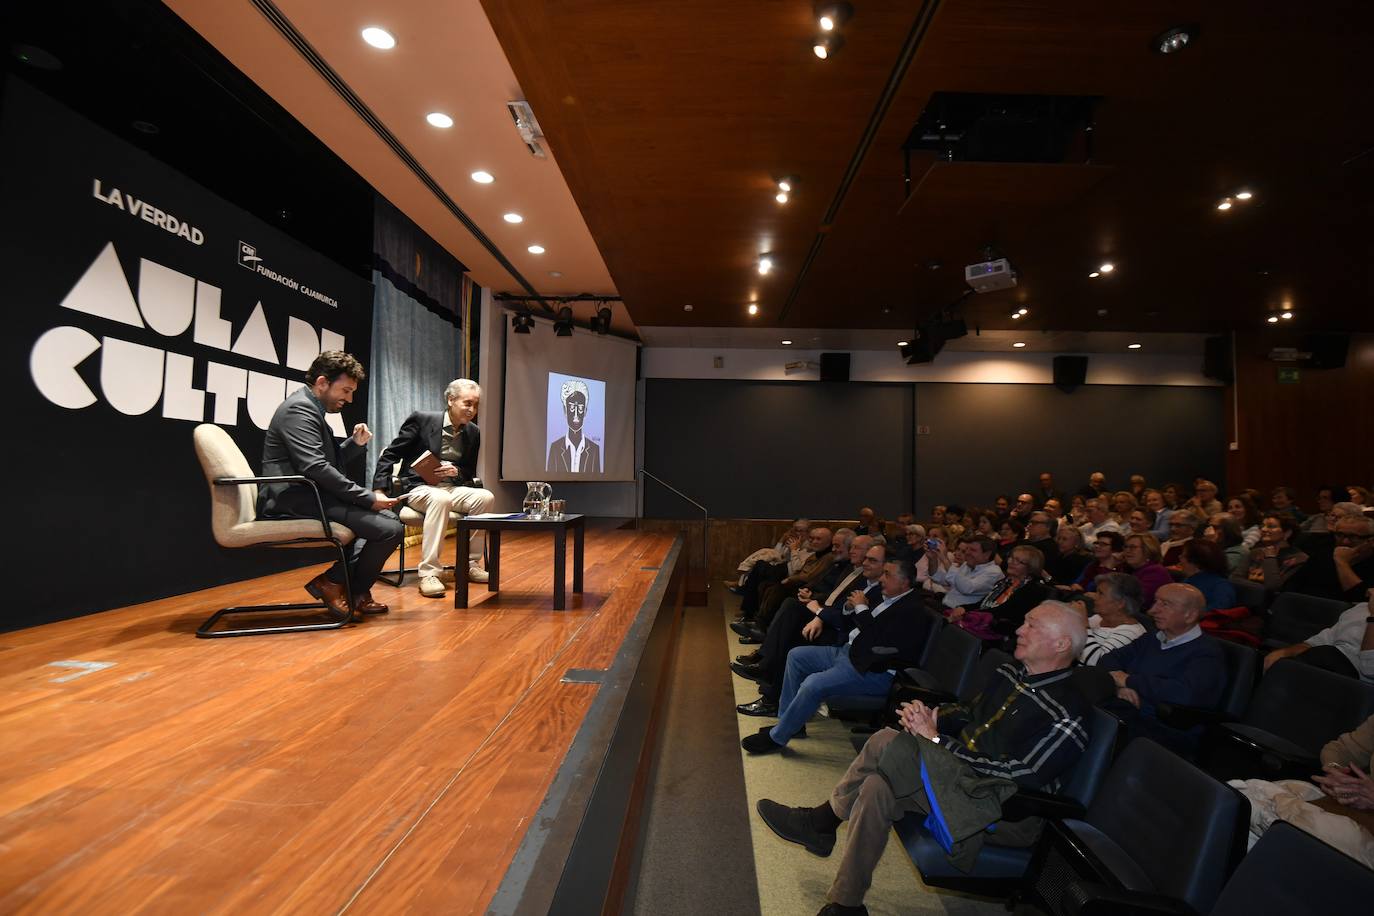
pixel 392 766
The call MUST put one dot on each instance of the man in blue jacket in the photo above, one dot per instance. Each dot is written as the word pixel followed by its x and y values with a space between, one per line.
pixel 1178 665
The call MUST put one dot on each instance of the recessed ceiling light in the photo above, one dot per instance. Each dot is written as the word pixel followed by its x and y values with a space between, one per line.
pixel 1107 267
pixel 513 218
pixel 1272 319
pixel 781 197
pixel 787 343
pixel 687 307
pixel 827 45
pixel 1019 344
pixel 1286 315
pixel 765 264
pixel 1175 39
pixel 903 343
pixel 753 308
pixel 535 249
pixel 784 185
pixel 1134 346
pixel 1015 315
pixel 555 273
pixel 1022 311
pixel 439 119
pixel 483 177
pixel 1094 275
pixel 379 38
pixel 1225 204
pixel 1244 195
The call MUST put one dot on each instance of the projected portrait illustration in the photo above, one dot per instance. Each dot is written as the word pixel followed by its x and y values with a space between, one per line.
pixel 576 423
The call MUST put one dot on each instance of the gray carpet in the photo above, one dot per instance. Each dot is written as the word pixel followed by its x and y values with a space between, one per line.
pixel 697 853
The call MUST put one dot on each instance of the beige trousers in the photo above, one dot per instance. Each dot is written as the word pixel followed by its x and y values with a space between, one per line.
pixel 865 800
pixel 435 504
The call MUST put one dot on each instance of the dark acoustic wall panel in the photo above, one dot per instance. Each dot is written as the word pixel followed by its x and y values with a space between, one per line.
pixel 983 440
pixel 751 449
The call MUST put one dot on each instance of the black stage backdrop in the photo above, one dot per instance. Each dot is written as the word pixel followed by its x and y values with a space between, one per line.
pixel 138 305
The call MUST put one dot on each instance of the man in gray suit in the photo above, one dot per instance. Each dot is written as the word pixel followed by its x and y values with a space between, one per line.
pixel 299 442
pixel 574 453
pixel 454 439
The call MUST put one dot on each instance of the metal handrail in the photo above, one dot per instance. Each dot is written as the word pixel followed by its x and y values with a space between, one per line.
pixel 705 526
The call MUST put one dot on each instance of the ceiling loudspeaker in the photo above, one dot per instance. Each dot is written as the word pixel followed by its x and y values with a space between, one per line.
pixel 1216 360
pixel 1069 372
pixel 834 367
pixel 1328 350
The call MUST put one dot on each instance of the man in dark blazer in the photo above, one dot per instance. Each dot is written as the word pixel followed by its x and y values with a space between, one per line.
pixel 450 436
pixel 299 442
pixel 881 639
pixel 573 452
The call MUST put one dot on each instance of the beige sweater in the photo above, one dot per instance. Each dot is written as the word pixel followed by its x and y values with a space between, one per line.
pixel 1355 747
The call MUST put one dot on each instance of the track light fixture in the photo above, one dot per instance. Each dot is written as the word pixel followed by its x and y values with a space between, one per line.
pixel 521 322
pixel 827 45
pixel 563 324
pixel 601 321
pixel 831 15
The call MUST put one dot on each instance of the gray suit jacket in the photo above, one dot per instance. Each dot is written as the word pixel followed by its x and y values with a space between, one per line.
pixel 299 442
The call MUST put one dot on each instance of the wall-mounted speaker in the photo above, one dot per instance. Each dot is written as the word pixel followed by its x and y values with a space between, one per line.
pixel 1069 372
pixel 1328 350
pixel 834 367
pixel 1216 360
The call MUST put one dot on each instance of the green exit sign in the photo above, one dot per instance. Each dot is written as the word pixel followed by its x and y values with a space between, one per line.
pixel 1288 375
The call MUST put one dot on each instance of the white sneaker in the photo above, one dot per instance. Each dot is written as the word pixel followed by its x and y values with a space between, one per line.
pixel 477 574
pixel 431 587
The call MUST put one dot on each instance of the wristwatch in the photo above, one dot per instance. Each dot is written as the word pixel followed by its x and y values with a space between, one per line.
pixel 936 739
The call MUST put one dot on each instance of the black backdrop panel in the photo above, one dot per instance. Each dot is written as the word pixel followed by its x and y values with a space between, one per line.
pixel 990 439
pixel 138 305
pixel 775 449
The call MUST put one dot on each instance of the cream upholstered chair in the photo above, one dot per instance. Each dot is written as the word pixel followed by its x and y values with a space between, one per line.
pixel 235 523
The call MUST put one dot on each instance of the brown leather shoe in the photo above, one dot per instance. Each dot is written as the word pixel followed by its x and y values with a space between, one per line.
pixel 366 605
pixel 332 594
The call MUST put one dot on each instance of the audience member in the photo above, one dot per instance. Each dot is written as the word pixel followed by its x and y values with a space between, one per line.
pixel 1205 498
pixel 1204 568
pixel 1344 572
pixel 1224 531
pixel 1123 502
pixel 1047 490
pixel 1138 487
pixel 1002 611
pixel 1183 526
pixel 1141 521
pixel 1066 564
pixel 1054 508
pixel 1179 665
pixel 1327 497
pixel 869 523
pixel 1346 647
pixel 1078 509
pixel 1001 505
pixel 888 636
pixel 1112 623
pixel 831 567
pixel 970 579
pixel 1172 494
pixel 1284 501
pixel 784 557
pixel 1141 556
pixel 1275 559
pixel 1098 520
pixel 1097 483
pixel 1360 496
pixel 1246 513
pixel 1106 557
pixel 1025 505
pixel 1040 533
pixel 759 581
pixel 1026 728
pixel 1009 534
pixel 1154 501
pixel 985 525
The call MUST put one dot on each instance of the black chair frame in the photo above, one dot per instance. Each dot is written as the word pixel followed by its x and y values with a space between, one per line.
pixel 335 621
pixel 396 577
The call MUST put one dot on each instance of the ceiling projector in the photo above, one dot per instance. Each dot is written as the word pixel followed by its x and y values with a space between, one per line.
pixel 989 276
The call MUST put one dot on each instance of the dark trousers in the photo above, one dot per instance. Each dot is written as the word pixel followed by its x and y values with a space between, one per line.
pixel 762 575
pixel 784 635
pixel 1329 658
pixel 378 534
pixel 771 599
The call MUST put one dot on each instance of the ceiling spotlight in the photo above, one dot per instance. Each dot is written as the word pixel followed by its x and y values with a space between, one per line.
pixel 521 322
pixel 1019 344
pixel 1272 319
pixel 1094 275
pixel 1015 315
pixel 787 343
pixel 1134 346
pixel 826 46
pixel 765 264
pixel 784 185
pixel 563 324
pixel 1225 204
pixel 1286 315
pixel 513 218
pixel 379 38
pixel 482 177
pixel 830 16
pixel 1175 39
pixel 601 321
pixel 903 343
pixel 439 119
pixel 753 308
pixel 1107 267
pixel 535 249
pixel 1244 195
pixel 555 274
pixel 781 197
pixel 1022 311
pixel 687 307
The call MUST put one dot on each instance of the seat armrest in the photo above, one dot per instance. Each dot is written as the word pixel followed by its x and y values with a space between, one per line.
pixel 931 698
pixel 1026 803
pixel 289 478
pixel 1183 717
pixel 1101 900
